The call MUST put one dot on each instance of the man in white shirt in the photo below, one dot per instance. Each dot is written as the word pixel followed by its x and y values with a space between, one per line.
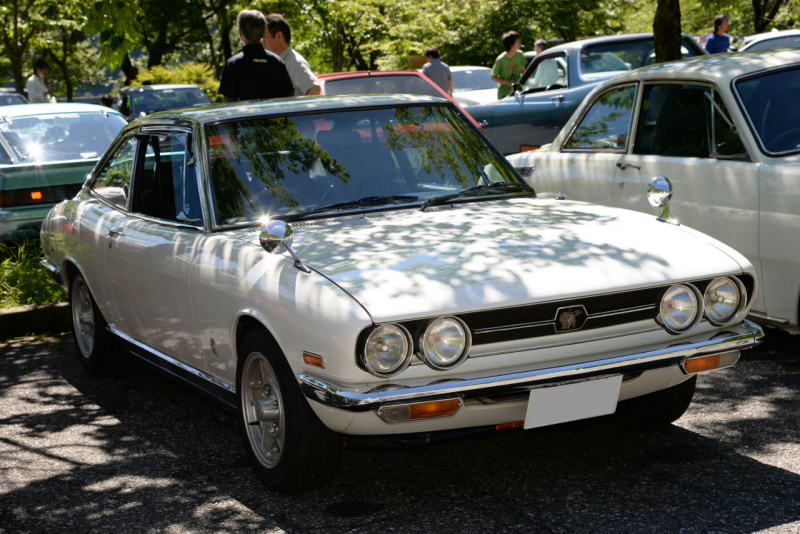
pixel 547 71
pixel 38 93
pixel 278 39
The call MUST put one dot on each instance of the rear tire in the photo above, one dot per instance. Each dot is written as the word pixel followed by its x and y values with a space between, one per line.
pixel 92 338
pixel 659 408
pixel 289 447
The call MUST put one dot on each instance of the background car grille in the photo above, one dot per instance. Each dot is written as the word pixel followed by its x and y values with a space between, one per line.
pixel 38 195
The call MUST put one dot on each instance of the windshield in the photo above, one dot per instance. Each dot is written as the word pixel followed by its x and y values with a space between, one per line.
pixel 470 80
pixel 145 102
pixel 62 136
pixel 11 99
pixel 770 100
pixel 391 84
pixel 291 165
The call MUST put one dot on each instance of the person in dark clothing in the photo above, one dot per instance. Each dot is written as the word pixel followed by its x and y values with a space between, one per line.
pixel 254 73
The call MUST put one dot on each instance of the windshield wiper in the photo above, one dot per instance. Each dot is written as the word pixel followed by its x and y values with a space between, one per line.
pixel 503 186
pixel 365 201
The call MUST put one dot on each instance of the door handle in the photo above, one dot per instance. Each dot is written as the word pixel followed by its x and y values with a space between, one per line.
pixel 113 233
pixel 623 165
pixel 560 98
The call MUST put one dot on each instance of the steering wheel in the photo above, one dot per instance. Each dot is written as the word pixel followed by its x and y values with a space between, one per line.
pixel 783 135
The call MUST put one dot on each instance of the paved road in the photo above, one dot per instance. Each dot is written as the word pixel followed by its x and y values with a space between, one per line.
pixel 141 454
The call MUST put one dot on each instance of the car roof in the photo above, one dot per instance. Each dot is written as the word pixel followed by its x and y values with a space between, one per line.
pixel 365 73
pixel 284 106
pixel 574 45
pixel 467 67
pixel 775 34
pixel 720 68
pixel 158 87
pixel 27 110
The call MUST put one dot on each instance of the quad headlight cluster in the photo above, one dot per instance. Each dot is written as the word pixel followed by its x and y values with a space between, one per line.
pixel 443 343
pixel 683 305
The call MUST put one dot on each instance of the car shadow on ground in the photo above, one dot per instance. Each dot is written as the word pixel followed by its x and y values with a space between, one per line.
pixel 138 453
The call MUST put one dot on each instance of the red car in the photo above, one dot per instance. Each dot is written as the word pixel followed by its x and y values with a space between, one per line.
pixel 391 82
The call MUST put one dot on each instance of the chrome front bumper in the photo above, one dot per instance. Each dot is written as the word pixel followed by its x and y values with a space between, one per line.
pixel 738 337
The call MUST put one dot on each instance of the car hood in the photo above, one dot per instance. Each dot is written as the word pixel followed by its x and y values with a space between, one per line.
pixel 450 259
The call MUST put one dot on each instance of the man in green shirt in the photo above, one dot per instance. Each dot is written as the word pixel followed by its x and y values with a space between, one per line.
pixel 509 65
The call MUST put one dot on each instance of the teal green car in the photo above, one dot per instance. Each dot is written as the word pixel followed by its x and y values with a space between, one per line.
pixel 46 152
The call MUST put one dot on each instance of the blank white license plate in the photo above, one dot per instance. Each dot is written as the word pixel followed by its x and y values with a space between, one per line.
pixel 570 402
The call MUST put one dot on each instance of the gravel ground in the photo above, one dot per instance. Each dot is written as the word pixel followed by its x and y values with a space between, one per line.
pixel 138 453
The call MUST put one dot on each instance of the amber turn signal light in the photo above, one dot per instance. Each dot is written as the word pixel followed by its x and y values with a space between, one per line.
pixel 313 359
pixel 421 410
pixel 713 361
pixel 36 195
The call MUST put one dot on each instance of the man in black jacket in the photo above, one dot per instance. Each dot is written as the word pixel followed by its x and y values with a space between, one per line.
pixel 254 73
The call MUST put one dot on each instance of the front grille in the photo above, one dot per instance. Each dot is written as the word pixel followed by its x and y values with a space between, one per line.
pixel 537 320
pixel 33 196
pixel 540 320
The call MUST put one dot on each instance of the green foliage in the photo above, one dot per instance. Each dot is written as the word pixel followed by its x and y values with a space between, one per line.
pixel 195 73
pixel 116 23
pixel 23 280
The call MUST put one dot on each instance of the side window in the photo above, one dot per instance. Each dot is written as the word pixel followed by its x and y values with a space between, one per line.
pixel 605 126
pixel 166 184
pixel 673 121
pixel 114 181
pixel 550 72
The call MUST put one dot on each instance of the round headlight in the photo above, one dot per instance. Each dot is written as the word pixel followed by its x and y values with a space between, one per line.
pixel 679 308
pixel 445 343
pixel 722 298
pixel 387 350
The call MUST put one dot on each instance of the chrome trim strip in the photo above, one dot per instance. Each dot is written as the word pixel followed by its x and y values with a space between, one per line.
pixel 765 317
pixel 336 396
pixel 53 271
pixel 165 359
pixel 643 307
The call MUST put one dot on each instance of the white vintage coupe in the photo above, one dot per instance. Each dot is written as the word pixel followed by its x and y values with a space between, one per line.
pixel 370 266
pixel 725 130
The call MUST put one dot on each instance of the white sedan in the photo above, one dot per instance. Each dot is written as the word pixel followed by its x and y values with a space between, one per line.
pixel 370 266
pixel 725 130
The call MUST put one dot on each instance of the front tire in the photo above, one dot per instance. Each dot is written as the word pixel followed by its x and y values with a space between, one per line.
pixel 289 447
pixel 659 408
pixel 92 338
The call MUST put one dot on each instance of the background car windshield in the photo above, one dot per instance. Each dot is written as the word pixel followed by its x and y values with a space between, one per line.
pixel 771 103
pixel 284 165
pixel 470 80
pixel 391 84
pixel 150 101
pixel 11 100
pixel 602 60
pixel 62 136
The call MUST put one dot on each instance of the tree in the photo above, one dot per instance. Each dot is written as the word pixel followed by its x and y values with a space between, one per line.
pixel 20 22
pixel 667 30
pixel 764 12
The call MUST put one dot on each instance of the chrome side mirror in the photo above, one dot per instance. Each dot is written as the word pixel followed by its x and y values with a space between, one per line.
pixel 277 235
pixel 659 194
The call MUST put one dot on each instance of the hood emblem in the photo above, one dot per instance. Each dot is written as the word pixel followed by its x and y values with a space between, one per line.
pixel 570 319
